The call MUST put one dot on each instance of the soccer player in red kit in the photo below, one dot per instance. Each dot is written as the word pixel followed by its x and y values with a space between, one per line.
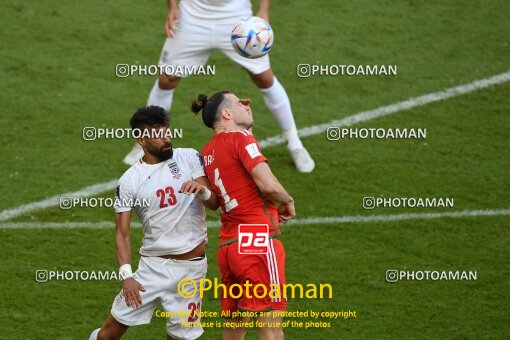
pixel 247 191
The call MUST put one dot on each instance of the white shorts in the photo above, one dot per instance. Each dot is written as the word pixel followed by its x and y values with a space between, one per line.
pixel 160 278
pixel 194 41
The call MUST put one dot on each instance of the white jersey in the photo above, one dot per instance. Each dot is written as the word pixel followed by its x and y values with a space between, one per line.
pixel 215 10
pixel 173 223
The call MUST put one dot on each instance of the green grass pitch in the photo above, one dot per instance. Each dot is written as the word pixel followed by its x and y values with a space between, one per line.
pixel 57 76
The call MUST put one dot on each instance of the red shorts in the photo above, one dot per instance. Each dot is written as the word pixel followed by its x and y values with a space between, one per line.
pixel 265 269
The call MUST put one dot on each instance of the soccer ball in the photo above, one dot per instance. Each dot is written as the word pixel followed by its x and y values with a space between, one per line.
pixel 252 38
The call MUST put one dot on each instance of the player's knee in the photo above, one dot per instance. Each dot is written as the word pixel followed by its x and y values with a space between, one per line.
pixel 168 82
pixel 233 333
pixel 263 80
pixel 279 334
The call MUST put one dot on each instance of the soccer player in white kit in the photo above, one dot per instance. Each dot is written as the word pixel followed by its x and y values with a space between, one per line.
pixel 197 27
pixel 174 232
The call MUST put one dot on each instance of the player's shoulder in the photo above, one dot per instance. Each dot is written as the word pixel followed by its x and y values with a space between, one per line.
pixel 131 174
pixel 184 152
pixel 239 133
pixel 240 136
pixel 187 155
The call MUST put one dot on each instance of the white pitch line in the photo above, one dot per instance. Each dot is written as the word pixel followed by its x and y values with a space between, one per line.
pixel 302 221
pixel 54 201
pixel 276 140
pixel 393 108
pixel 398 217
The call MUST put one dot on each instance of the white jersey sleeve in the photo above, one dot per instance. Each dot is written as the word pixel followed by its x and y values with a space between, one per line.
pixel 124 193
pixel 195 163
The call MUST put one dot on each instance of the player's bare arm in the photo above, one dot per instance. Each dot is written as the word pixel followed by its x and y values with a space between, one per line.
pixel 269 185
pixel 201 187
pixel 172 18
pixel 130 287
pixel 263 10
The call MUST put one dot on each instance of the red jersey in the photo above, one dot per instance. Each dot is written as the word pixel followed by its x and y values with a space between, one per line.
pixel 228 160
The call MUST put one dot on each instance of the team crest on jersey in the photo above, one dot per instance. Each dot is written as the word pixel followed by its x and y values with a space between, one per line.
pixel 174 169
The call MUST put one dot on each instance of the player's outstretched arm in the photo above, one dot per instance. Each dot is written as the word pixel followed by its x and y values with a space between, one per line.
pixel 130 287
pixel 202 188
pixel 268 184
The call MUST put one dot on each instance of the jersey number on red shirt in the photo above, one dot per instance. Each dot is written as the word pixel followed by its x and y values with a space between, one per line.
pixel 229 203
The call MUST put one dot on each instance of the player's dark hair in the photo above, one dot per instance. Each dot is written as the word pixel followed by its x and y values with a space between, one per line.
pixel 149 116
pixel 210 107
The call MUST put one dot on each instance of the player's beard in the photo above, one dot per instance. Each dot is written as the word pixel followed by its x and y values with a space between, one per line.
pixel 162 153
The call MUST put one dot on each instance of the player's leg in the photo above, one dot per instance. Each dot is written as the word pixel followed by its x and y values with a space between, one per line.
pixel 121 315
pixel 260 271
pixel 190 46
pixel 162 93
pixel 274 274
pixel 231 326
pixel 275 98
pixel 234 331
pixel 111 330
pixel 278 103
pixel 275 258
pixel 270 333
pixel 184 298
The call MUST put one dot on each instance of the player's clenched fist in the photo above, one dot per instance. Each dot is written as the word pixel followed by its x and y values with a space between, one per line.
pixel 131 291
pixel 286 211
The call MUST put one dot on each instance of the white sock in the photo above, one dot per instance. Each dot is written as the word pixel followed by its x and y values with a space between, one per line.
pixel 94 334
pixel 278 103
pixel 293 140
pixel 160 97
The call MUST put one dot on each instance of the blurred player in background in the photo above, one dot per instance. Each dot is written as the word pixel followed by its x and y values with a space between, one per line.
pixel 174 232
pixel 197 27
pixel 246 190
